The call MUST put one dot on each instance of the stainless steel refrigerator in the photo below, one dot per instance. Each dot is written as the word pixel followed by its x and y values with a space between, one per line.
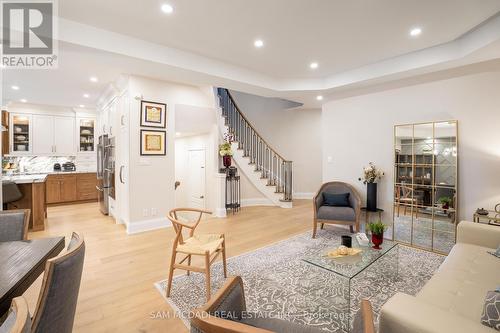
pixel 105 172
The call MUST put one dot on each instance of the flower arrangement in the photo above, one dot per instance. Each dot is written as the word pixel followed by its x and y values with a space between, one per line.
pixel 225 149
pixel 371 174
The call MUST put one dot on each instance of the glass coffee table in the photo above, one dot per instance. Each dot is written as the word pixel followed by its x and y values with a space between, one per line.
pixel 349 267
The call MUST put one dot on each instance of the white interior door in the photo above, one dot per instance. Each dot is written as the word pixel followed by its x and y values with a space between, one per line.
pixel 196 178
pixel 64 133
pixel 43 134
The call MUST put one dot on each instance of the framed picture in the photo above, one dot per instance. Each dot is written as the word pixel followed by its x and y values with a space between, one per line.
pixel 153 114
pixel 153 143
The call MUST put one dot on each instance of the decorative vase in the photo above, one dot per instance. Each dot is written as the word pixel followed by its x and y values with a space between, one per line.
pixel 377 240
pixel 371 197
pixel 226 161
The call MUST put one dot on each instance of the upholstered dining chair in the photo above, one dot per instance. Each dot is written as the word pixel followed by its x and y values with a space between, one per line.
pixel 18 319
pixel 207 246
pixel 348 214
pixel 225 313
pixel 14 225
pixel 364 319
pixel 56 306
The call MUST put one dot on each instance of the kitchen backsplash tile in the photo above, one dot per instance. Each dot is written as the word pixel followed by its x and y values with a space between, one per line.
pixel 41 164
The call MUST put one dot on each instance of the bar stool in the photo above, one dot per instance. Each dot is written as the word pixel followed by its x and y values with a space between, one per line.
pixel 10 193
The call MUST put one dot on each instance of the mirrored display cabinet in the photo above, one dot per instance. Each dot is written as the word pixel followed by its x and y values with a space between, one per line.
pixel 425 185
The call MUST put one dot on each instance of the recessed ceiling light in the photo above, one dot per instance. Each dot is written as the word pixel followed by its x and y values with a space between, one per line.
pixel 258 43
pixel 86 95
pixel 415 32
pixel 15 88
pixel 313 65
pixel 81 106
pixel 319 98
pixel 93 79
pixel 166 8
pixel 23 100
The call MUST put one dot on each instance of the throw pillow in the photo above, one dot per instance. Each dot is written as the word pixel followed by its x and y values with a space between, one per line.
pixel 336 200
pixel 491 310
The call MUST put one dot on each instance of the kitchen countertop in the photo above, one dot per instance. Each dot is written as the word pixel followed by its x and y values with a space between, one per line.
pixel 26 178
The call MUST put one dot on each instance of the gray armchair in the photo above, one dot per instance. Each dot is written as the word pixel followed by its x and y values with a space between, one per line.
pixel 225 313
pixel 14 225
pixel 337 215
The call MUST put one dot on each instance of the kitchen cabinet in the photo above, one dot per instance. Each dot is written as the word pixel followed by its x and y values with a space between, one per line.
pixel 65 188
pixel 53 135
pixel 86 135
pixel 20 133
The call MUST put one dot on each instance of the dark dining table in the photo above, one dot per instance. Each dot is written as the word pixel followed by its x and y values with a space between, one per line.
pixel 21 263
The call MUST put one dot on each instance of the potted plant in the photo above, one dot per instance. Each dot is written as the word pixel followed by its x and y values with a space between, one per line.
pixel 445 202
pixel 225 150
pixel 377 230
pixel 370 176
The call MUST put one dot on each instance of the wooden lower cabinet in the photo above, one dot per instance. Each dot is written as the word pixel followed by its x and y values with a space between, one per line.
pixel 62 188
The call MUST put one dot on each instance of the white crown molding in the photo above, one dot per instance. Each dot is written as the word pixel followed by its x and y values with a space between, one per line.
pixel 459 52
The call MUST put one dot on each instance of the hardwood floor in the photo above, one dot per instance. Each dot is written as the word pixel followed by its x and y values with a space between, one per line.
pixel 117 292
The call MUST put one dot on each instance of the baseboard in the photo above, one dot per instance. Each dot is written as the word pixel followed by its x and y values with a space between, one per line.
pixel 256 202
pixel 303 195
pixel 147 225
pixel 219 212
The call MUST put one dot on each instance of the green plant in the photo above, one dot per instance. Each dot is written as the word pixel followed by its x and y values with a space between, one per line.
pixel 377 228
pixel 444 200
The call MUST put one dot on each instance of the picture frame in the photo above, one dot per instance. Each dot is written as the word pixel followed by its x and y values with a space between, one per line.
pixel 153 143
pixel 153 114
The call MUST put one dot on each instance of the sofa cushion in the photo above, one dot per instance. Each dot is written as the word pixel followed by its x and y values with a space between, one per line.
pixel 337 213
pixel 491 311
pixel 336 200
pixel 278 325
pixel 462 281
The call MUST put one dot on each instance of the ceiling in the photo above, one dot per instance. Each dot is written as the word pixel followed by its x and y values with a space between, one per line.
pixel 360 45
pixel 339 35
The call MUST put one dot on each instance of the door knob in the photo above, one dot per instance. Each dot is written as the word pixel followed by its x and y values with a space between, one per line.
pixel 202 197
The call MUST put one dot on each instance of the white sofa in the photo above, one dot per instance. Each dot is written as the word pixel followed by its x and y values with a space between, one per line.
pixel 453 299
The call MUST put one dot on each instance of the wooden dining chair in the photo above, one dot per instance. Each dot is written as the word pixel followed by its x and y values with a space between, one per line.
pixel 364 319
pixel 14 225
pixel 404 196
pixel 208 246
pixel 56 306
pixel 18 319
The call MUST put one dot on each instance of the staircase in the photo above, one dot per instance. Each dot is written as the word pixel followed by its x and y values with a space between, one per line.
pixel 268 170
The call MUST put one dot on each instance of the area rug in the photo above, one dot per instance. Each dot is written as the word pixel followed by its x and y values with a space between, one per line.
pixel 279 284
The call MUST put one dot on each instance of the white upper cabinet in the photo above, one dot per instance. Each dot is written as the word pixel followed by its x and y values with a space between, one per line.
pixel 43 135
pixel 86 131
pixel 64 136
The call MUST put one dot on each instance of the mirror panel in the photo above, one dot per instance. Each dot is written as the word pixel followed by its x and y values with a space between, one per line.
pixel 425 185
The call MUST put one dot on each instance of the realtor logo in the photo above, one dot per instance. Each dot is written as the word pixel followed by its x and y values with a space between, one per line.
pixel 28 34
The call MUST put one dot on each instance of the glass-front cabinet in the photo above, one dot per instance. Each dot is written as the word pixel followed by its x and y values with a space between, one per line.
pixel 425 185
pixel 86 135
pixel 21 134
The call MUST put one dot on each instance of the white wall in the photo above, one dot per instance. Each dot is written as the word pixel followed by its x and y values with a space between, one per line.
pixel 293 133
pixel 359 129
pixel 152 178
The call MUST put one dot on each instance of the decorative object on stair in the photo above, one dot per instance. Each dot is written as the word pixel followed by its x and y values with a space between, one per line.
pixel 377 230
pixel 271 165
pixel 370 176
